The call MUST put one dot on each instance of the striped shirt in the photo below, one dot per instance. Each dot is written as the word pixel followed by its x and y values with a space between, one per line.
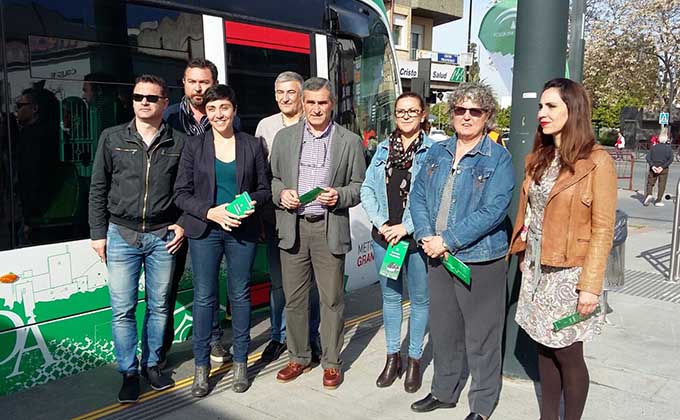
pixel 315 162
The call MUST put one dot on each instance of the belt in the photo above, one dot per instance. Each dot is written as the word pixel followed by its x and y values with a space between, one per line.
pixel 312 218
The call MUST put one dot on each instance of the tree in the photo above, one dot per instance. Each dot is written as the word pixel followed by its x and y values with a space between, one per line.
pixel 632 54
pixel 474 68
pixel 440 114
pixel 503 118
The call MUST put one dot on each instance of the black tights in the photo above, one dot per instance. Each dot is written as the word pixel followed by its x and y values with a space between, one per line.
pixel 561 370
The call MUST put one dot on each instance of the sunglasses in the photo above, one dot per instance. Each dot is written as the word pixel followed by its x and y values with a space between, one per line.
pixel 20 105
pixel 459 111
pixel 151 98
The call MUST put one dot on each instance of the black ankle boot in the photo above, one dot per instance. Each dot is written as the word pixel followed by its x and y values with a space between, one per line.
pixel 412 381
pixel 391 371
pixel 200 387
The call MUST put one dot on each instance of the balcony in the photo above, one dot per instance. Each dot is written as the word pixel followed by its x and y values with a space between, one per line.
pixel 440 11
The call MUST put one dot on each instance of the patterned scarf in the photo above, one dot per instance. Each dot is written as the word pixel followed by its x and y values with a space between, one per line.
pixel 186 116
pixel 399 158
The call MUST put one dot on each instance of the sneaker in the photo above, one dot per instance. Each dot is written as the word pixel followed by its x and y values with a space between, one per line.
pixel 648 200
pixel 659 204
pixel 163 362
pixel 129 391
pixel 218 354
pixel 157 379
pixel 273 351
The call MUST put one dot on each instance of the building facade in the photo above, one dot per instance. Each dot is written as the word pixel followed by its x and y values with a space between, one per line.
pixel 412 24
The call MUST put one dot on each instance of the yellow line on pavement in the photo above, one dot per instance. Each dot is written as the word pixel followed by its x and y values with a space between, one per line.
pixel 183 383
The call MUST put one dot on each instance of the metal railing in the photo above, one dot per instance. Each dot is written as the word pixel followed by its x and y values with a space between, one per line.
pixel 674 271
pixel 624 162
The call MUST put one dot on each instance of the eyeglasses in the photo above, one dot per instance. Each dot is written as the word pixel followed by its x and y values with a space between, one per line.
pixel 459 111
pixel 20 105
pixel 151 98
pixel 401 113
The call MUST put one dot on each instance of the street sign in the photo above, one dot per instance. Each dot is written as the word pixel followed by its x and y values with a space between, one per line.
pixel 447 58
pixel 663 118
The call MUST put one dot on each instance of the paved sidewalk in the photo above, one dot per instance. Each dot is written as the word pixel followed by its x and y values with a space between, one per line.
pixel 634 365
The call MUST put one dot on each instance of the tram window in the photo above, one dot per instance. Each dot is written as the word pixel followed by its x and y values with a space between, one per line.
pixel 365 86
pixel 70 76
pixel 252 71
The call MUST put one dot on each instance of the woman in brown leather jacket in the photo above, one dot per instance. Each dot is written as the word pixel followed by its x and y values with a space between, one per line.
pixel 563 233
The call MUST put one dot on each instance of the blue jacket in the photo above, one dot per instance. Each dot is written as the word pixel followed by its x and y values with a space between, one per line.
pixel 482 191
pixel 374 191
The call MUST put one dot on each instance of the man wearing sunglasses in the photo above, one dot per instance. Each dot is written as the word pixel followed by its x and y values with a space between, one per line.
pixel 134 224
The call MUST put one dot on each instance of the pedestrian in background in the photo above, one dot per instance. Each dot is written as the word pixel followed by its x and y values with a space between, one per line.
pixel 620 144
pixel 563 233
pixel 458 204
pixel 659 158
pixel 384 196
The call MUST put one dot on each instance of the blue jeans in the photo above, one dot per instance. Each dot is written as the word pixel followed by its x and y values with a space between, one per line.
pixel 277 300
pixel 415 270
pixel 124 264
pixel 206 256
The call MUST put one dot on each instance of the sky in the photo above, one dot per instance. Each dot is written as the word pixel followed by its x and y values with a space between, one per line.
pixel 452 37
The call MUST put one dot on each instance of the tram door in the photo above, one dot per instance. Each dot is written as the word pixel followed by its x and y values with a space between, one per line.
pixel 248 58
pixel 255 55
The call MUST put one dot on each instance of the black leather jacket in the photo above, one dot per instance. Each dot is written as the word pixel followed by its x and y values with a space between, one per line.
pixel 132 185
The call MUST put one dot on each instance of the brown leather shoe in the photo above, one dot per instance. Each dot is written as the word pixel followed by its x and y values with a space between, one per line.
pixel 391 371
pixel 332 378
pixel 412 381
pixel 292 371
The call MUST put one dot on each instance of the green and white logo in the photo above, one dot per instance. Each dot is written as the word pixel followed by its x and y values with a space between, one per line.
pixel 497 36
pixel 458 75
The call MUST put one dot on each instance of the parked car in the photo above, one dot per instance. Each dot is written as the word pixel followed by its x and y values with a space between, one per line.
pixel 438 135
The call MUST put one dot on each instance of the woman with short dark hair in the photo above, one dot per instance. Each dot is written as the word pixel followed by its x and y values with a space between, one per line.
pixel 563 233
pixel 215 169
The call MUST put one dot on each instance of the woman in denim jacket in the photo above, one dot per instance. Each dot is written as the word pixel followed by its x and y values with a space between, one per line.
pixel 384 196
pixel 458 206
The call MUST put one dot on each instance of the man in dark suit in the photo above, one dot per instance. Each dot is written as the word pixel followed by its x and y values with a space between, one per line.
pixel 315 237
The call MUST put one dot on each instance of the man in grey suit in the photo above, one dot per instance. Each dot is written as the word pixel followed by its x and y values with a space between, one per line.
pixel 315 237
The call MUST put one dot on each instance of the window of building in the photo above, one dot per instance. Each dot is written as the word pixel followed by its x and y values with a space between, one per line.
pixel 399 31
pixel 416 40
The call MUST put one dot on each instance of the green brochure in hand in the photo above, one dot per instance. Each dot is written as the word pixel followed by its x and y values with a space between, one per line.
pixel 394 259
pixel 241 204
pixel 457 268
pixel 572 319
pixel 310 195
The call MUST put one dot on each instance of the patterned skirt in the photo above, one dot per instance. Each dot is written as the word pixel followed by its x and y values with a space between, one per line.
pixel 548 294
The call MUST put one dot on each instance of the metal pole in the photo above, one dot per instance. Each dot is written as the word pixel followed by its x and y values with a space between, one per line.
pixel 673 272
pixel 467 68
pixel 576 41
pixel 540 44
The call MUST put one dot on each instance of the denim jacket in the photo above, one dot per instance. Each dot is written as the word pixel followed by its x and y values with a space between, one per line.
pixel 374 191
pixel 482 191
